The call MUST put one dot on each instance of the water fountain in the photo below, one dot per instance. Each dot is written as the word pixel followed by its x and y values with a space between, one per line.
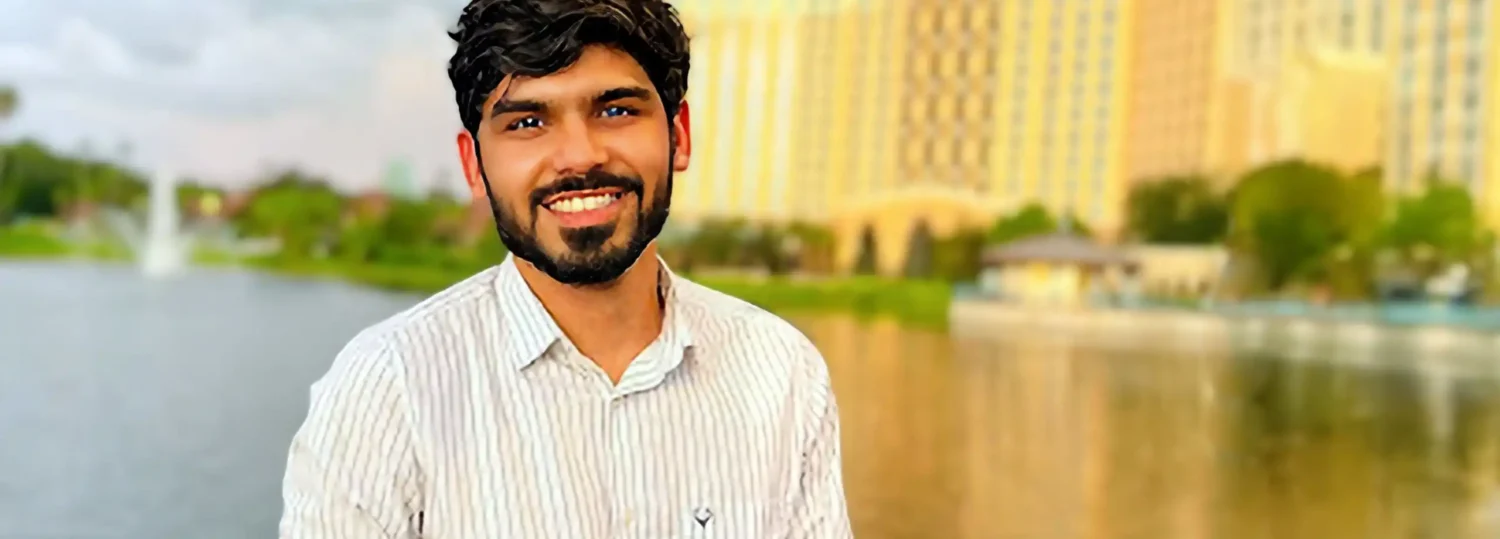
pixel 165 248
pixel 160 247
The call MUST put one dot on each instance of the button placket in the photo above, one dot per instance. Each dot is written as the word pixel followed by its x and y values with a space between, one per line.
pixel 619 499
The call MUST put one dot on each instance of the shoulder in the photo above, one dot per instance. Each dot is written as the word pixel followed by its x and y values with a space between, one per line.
pixel 758 345
pixel 424 328
pixel 741 331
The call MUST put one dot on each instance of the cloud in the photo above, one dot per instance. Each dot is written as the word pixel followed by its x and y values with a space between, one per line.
pixel 227 87
pixel 253 66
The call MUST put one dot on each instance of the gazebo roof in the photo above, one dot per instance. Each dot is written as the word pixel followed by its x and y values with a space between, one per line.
pixel 1057 247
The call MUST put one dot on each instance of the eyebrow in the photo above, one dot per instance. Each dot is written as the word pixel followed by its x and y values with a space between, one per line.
pixel 624 92
pixel 509 106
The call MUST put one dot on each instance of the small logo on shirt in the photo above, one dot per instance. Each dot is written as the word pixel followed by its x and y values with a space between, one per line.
pixel 702 515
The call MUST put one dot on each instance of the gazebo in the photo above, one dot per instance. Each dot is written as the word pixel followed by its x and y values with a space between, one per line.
pixel 1052 269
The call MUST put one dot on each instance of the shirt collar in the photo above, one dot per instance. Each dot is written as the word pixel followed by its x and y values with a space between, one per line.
pixel 529 329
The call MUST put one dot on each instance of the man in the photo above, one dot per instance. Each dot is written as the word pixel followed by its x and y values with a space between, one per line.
pixel 579 389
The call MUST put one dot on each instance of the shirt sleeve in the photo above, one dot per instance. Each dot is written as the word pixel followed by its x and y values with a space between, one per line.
pixel 822 512
pixel 351 471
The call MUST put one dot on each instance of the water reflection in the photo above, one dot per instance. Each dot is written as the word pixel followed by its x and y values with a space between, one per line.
pixel 1044 436
pixel 132 408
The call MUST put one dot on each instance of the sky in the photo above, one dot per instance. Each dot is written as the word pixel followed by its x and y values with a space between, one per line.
pixel 227 90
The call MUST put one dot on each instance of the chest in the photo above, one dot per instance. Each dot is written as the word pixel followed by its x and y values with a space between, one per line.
pixel 555 459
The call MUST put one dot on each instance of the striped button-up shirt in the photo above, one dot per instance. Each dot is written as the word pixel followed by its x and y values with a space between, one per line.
pixel 471 416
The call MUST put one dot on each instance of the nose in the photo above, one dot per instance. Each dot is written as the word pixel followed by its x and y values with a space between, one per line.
pixel 578 149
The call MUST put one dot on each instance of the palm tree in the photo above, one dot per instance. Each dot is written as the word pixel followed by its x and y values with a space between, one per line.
pixel 9 101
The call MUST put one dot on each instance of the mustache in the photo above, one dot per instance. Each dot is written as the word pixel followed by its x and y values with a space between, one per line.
pixel 593 179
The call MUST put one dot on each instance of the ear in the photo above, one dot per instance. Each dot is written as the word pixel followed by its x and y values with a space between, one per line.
pixel 682 131
pixel 468 157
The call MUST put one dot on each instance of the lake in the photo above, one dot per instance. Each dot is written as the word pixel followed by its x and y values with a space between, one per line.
pixel 132 408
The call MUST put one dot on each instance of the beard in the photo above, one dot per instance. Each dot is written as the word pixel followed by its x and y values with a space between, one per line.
pixel 588 258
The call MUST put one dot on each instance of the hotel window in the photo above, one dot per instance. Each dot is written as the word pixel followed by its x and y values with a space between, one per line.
pixel 976 62
pixel 1435 139
pixel 1476 25
pixel 970 153
pixel 1346 25
pixel 953 19
pixel 1409 42
pixel 1403 158
pixel 974 107
pixel 948 64
pixel 979 17
pixel 924 22
pixel 1440 67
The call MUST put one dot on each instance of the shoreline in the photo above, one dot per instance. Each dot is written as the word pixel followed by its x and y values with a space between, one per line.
pixel 915 303
pixel 1195 329
pixel 919 304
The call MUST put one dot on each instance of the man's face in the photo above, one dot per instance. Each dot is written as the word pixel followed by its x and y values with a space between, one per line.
pixel 578 165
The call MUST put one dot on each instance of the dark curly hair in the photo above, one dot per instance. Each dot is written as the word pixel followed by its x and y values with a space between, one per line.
pixel 498 38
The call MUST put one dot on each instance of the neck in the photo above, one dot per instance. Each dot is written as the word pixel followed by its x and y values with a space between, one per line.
pixel 610 323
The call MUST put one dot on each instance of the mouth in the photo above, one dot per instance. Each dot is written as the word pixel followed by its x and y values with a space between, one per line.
pixel 585 208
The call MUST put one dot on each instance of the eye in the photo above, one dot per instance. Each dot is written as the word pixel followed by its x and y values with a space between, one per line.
pixel 617 110
pixel 529 122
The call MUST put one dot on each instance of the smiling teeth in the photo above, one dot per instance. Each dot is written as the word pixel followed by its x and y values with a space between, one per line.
pixel 578 204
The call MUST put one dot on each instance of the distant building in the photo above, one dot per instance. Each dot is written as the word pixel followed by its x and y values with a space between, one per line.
pixel 892 120
pixel 367 206
pixel 742 90
pixel 1445 115
pixel 1179 270
pixel 1062 270
pixel 478 221
pixel 1410 86
pixel 399 180
pixel 1183 111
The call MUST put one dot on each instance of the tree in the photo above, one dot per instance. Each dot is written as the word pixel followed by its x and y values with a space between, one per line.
pixel 1351 269
pixel 767 248
pixel 1435 228
pixel 1290 217
pixel 719 242
pixel 9 102
pixel 1176 210
pixel 38 182
pixel 1077 226
pixel 815 246
pixel 956 258
pixel 302 212
pixel 1032 220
